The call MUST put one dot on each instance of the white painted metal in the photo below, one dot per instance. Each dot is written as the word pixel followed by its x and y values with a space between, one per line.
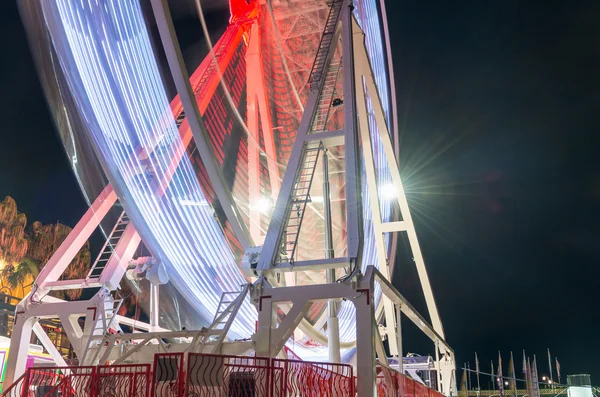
pixel 333 325
pixel 270 254
pixel 92 344
pixel 407 225
pixel 154 306
pixel 77 238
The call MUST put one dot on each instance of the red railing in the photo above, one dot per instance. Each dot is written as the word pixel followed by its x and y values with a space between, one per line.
pixel 193 375
pixel 391 383
pixel 123 380
pixel 168 375
pixel 105 381
pixel 36 381
pixel 208 375
pixel 303 378
pixel 74 381
pixel 211 375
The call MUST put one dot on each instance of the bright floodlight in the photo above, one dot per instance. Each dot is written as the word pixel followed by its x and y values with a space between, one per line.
pixel 262 205
pixel 544 378
pixel 389 191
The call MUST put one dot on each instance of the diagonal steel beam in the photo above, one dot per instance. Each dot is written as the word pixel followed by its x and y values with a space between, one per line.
pixel 182 82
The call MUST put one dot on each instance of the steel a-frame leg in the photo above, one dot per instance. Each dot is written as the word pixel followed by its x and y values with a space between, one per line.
pixel 305 135
pixel 366 85
pixel 271 336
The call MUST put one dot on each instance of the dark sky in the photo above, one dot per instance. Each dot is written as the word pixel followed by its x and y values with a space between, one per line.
pixel 499 104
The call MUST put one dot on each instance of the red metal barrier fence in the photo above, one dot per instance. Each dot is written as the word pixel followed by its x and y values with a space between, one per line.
pixel 168 378
pixel 303 378
pixel 211 375
pixel 105 381
pixel 208 375
pixel 391 383
pixel 122 381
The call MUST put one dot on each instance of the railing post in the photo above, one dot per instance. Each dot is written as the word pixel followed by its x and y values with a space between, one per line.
pixel 269 376
pixel 132 383
pixel 95 382
pixel 185 374
pixel 25 388
pixel 284 379
pixel 148 374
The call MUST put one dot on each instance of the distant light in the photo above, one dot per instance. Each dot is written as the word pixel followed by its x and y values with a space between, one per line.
pixel 550 382
pixel 389 191
pixel 506 383
pixel 497 379
pixel 544 378
pixel 262 205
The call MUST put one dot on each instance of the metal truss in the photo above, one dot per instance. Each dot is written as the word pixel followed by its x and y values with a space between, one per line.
pixel 101 338
pixel 295 301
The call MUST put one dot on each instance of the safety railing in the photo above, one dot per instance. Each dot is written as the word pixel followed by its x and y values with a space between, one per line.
pixel 216 375
pixel 123 380
pixel 168 375
pixel 34 382
pixel 74 381
pixel 105 381
pixel 191 375
pixel 236 376
pixel 302 378
pixel 391 383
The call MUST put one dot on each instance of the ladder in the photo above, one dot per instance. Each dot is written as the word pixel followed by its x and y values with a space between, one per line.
pixel 229 305
pixel 323 54
pixel 108 248
pixel 300 197
pixel 224 309
pixel 219 49
pixel 326 99
pixel 101 328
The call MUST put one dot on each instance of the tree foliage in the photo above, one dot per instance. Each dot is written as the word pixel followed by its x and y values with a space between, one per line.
pixel 23 251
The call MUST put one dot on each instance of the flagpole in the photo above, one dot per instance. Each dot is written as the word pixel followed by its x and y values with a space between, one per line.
pixel 493 376
pixel 500 375
pixel 557 369
pixel 529 379
pixel 550 366
pixel 514 374
pixel 463 380
pixel 477 369
pixel 469 374
pixel 536 380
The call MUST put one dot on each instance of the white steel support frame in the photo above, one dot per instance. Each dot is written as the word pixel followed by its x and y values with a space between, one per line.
pixel 92 344
pixel 270 250
pixel 364 76
pixel 272 336
pixel 99 311
pixel 38 305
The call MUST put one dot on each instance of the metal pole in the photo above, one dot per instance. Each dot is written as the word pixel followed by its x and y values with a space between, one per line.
pixel 399 336
pixel 550 368
pixel 154 310
pixel 333 326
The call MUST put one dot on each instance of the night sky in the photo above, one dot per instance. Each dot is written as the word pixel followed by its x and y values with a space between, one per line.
pixel 499 105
